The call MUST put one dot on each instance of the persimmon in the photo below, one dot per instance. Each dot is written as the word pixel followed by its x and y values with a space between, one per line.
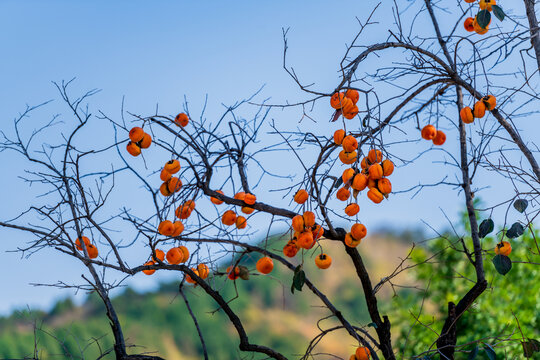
pixel 374 156
pixel 149 271
pixel 92 251
pixel 228 218
pixel 503 248
pixel 478 29
pixel 440 138
pixel 375 195
pixel 298 223
pixel 348 158
pixel 470 1
pixel 78 245
pixel 301 196
pixel 466 115
pixel 336 101
pixel 164 189
pixel 347 175
pixel 172 166
pixel 174 256
pixel 265 265
pixel 203 271
pixel 358 231
pixel 290 250
pixel 343 194
pixel 189 279
pixel 375 171
pixel 133 149
pixel 429 132
pixel 250 199
pixel 159 255
pixel 346 103
pixel 323 261
pixel 216 201
pixel 384 186
pixel 309 219
pixel 352 209
pixel 350 241
pixel 349 143
pixel 241 222
pixel 165 175
pixel 146 141
pixel 174 184
pixel 479 109
pixel 490 101
pixel 469 24
pixel 305 240
pixel 190 204
pixel 371 183
pixel 247 210
pixel 183 211
pixel 387 167
pixel 353 95
pixel 240 195
pixel 338 136
pixel 359 182
pixel 350 112
pixel 181 119
pixel 364 164
pixel 233 274
pixel 166 228
pixel 487 4
pixel 362 353
pixel 178 228
pixel 136 134
pixel 317 232
pixel 185 253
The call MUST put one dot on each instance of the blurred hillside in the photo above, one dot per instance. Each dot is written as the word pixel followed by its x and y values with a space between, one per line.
pixel 159 322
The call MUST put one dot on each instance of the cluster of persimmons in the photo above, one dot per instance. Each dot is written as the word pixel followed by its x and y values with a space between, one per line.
pixel 371 172
pixel 91 249
pixel 478 111
pixel 472 24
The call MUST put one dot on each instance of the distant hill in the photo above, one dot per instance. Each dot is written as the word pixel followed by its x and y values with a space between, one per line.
pixel 159 323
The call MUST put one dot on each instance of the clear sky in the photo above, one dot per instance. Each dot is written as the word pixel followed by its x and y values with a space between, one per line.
pixel 155 53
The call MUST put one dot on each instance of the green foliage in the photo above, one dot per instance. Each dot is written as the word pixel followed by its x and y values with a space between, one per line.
pixel 498 11
pixel 448 277
pixel 483 18
pixel 502 264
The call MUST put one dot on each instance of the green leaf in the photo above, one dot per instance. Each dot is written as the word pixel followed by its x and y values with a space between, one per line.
pixel 502 264
pixel 486 227
pixel 473 353
pixel 483 18
pixel 373 325
pixel 490 352
pixel 530 347
pixel 299 279
pixel 515 230
pixel 498 12
pixel 521 205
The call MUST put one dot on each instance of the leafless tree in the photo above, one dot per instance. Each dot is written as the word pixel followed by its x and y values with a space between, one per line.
pixel 422 73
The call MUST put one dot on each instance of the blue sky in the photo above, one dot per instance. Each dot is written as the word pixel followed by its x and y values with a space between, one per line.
pixel 155 53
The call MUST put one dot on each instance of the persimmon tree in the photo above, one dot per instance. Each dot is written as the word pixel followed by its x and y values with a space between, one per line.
pixel 469 78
